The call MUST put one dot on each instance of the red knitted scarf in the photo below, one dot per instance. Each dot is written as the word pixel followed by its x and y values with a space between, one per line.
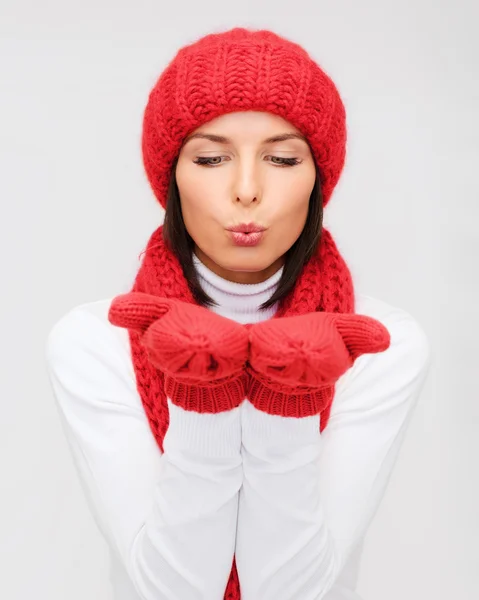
pixel 325 284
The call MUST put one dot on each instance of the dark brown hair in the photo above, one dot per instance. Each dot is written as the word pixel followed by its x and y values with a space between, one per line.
pixel 181 243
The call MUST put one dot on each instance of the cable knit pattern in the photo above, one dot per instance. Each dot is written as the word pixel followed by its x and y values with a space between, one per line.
pixel 221 73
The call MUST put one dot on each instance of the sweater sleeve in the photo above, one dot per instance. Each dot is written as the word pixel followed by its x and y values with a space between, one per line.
pixel 171 518
pixel 308 498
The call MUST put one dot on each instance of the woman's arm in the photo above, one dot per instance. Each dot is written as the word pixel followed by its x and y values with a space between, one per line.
pixel 171 517
pixel 307 499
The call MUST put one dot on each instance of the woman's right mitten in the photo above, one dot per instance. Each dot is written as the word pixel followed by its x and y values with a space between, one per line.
pixel 202 354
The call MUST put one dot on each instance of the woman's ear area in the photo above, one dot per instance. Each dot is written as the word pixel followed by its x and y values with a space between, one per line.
pixel 362 334
pixel 137 310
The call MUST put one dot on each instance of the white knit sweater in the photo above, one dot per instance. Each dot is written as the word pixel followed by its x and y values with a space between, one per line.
pixel 291 503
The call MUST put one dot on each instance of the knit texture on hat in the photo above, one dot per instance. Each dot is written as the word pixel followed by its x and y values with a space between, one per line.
pixel 242 70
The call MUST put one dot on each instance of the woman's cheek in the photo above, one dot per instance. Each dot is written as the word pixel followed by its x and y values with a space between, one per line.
pixel 291 222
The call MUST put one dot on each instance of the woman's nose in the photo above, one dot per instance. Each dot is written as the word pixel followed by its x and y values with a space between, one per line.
pixel 247 187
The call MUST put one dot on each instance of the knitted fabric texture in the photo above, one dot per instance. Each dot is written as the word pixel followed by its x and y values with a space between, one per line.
pixel 201 355
pixel 284 367
pixel 227 72
pixel 294 363
pixel 242 70
pixel 325 284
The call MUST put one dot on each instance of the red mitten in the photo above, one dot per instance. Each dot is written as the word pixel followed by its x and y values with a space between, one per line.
pixel 295 361
pixel 202 354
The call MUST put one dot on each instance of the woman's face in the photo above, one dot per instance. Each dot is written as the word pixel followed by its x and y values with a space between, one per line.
pixel 239 169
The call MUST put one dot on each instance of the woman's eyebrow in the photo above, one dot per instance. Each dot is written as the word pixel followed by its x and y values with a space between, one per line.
pixel 220 139
pixel 282 137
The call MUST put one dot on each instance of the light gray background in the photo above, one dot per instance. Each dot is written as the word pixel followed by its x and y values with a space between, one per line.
pixel 76 211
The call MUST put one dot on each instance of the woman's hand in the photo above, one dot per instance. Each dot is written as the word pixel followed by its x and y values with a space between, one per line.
pixel 203 355
pixel 294 362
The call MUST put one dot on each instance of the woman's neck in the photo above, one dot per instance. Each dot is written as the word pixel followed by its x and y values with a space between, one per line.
pixel 238 301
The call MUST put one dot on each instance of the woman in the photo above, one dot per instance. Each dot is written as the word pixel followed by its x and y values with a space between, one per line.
pixel 236 416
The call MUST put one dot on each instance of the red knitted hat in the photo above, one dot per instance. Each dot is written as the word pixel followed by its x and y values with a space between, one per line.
pixel 240 70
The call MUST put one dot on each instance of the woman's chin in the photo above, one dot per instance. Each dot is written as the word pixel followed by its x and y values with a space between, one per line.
pixel 242 263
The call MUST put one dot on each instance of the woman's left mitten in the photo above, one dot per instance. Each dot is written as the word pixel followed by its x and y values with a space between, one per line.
pixel 295 361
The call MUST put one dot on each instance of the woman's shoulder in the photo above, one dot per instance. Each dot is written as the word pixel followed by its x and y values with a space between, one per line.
pixel 83 342
pixel 407 333
pixel 87 322
pixel 384 311
pixel 89 361
pixel 406 361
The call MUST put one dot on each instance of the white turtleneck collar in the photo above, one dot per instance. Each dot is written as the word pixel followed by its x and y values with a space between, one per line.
pixel 238 301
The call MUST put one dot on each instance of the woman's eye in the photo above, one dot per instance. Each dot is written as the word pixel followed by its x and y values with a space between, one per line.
pixel 208 161
pixel 284 162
